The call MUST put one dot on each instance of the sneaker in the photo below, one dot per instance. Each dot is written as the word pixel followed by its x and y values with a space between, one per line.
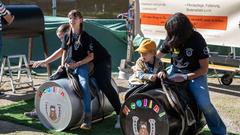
pixel 117 124
pixel 86 126
pixel 32 114
pixel 2 94
pixel 87 123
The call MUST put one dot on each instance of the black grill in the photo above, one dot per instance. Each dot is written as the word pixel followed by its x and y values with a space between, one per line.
pixel 28 22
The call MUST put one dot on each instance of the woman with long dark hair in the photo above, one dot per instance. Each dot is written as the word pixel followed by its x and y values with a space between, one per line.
pixel 189 57
pixel 98 55
pixel 78 55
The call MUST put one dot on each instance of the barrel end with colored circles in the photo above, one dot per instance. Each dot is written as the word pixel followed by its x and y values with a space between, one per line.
pixel 142 114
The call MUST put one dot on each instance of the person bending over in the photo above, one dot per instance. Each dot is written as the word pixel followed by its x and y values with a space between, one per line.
pixel 189 59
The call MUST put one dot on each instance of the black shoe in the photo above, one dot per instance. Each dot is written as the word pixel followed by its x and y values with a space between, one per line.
pixel 32 114
pixel 2 94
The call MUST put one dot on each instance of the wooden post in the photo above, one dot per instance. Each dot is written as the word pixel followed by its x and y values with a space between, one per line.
pixel 30 45
pixel 54 8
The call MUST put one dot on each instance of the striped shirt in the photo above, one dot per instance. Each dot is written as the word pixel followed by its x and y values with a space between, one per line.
pixel 3 12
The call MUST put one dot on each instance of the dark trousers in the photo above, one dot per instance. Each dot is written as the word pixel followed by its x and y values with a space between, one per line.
pixel 102 74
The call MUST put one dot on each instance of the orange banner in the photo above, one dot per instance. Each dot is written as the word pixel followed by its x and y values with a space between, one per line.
pixel 203 22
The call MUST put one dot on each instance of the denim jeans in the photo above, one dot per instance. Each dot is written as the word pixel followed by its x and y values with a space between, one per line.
pixel 83 76
pixel 199 89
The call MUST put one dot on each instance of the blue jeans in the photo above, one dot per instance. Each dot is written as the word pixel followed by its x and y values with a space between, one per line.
pixel 83 76
pixel 199 89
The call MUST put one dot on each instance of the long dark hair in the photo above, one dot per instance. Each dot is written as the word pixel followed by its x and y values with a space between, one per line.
pixel 179 29
pixel 75 13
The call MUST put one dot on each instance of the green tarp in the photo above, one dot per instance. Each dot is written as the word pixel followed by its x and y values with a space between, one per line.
pixel 111 33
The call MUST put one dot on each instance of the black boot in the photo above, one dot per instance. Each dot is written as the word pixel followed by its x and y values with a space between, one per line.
pixel 2 94
pixel 32 114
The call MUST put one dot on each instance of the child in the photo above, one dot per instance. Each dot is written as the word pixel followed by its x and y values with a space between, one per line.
pixel 148 67
pixel 62 29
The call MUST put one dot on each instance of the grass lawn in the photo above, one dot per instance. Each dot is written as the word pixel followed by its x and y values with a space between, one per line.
pixel 14 113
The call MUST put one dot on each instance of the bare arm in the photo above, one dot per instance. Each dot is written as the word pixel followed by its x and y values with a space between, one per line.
pixel 57 54
pixel 201 71
pixel 63 58
pixel 160 54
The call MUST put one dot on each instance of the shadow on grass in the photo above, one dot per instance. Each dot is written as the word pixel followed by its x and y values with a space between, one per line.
pixel 14 113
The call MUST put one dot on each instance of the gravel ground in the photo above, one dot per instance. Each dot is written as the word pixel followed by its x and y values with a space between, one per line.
pixel 225 99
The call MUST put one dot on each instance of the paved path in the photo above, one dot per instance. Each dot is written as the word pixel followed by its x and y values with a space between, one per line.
pixel 16 129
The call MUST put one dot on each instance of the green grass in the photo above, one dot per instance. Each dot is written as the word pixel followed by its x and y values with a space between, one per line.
pixel 14 113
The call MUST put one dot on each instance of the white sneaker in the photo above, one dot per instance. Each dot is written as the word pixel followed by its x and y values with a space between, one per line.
pixel 117 124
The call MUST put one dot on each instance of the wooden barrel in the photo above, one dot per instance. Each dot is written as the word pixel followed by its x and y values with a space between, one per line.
pixel 59 108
